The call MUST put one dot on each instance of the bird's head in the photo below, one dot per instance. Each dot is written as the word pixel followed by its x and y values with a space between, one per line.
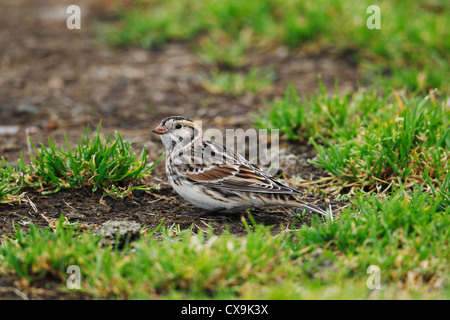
pixel 177 132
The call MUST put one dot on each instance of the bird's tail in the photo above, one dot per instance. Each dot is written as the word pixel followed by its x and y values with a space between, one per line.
pixel 311 207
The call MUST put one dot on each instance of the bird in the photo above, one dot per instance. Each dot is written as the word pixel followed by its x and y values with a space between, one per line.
pixel 218 179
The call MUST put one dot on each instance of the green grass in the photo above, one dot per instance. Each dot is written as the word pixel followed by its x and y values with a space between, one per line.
pixel 237 83
pixel 221 50
pixel 405 234
pixel 415 143
pixel 10 184
pixel 99 163
pixel 330 115
pixel 411 50
pixel 364 139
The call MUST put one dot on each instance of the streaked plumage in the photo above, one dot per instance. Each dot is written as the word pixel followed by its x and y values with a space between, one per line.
pixel 214 178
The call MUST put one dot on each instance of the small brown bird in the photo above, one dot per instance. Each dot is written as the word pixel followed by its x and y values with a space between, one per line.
pixel 230 185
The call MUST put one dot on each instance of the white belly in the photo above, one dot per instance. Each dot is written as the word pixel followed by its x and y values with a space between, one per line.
pixel 195 195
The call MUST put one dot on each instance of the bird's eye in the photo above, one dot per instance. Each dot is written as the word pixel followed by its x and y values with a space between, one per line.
pixel 178 126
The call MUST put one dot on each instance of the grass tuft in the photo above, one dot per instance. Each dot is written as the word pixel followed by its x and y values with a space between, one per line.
pixel 10 183
pixel 100 163
pixel 367 140
pixel 237 83
pixel 412 147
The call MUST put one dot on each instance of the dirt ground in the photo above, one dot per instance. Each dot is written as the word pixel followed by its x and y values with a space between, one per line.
pixel 55 81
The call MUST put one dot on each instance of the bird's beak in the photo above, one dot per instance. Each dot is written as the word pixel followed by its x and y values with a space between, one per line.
pixel 160 129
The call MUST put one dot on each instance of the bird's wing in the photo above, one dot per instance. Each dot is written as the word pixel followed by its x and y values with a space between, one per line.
pixel 238 178
pixel 214 165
